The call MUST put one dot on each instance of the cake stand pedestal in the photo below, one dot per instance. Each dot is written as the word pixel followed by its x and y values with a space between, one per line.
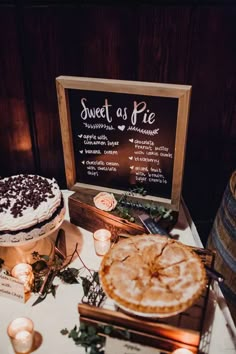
pixel 23 253
pixel 13 254
pixel 19 249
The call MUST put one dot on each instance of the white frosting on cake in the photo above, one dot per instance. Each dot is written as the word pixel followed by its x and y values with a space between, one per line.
pixel 26 200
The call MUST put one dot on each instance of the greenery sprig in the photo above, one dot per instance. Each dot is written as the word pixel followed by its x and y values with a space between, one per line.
pixel 93 293
pixel 86 337
pixel 93 338
pixel 125 206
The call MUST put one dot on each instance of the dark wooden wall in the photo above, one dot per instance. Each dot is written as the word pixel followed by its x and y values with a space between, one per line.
pixel 184 44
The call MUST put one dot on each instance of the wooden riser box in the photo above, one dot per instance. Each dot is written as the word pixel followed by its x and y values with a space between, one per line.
pixel 83 213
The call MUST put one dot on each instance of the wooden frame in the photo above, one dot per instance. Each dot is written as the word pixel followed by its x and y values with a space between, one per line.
pixel 181 92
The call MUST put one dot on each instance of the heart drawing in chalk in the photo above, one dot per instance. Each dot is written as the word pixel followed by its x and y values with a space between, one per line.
pixel 131 167
pixel 131 140
pixel 131 157
pixel 121 127
pixel 80 136
pixel 81 151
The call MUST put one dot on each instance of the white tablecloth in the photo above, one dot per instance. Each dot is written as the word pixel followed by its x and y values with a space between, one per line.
pixel 54 314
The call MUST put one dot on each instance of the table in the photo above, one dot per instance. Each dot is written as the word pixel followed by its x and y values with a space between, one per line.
pixel 54 314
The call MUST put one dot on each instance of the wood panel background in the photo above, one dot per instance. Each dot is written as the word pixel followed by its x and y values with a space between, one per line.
pixel 191 44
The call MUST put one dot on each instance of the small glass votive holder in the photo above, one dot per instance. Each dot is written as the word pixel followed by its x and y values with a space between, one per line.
pixel 24 273
pixel 21 334
pixel 182 351
pixel 102 241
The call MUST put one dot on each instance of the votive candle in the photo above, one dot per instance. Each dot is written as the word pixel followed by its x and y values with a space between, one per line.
pixel 21 334
pixel 182 351
pixel 102 241
pixel 24 273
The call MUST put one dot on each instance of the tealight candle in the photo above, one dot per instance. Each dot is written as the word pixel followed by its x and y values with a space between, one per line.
pixel 102 241
pixel 182 351
pixel 21 334
pixel 24 273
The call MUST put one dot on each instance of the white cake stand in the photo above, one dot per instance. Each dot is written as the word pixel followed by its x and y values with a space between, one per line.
pixel 14 250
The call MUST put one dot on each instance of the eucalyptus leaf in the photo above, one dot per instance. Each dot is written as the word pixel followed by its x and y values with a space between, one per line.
pixel 39 266
pixel 108 330
pixel 73 333
pixel 91 330
pixel 45 257
pixel 87 336
pixel 69 275
pixel 125 205
pixel 82 326
pixel 96 277
pixel 95 339
pixel 93 350
pixel 53 289
pixel 83 336
pixel 86 283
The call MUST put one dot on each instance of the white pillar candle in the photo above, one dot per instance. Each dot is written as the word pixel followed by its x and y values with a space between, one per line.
pixel 24 273
pixel 102 241
pixel 21 334
pixel 182 351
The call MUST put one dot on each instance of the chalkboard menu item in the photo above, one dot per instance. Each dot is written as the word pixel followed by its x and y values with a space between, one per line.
pixel 118 134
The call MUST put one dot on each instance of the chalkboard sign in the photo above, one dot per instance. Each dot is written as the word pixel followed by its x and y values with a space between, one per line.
pixel 118 135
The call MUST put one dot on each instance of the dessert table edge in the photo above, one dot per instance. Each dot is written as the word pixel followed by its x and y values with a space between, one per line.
pixel 60 312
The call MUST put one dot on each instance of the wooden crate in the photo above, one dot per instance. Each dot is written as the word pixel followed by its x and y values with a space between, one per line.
pixel 83 213
pixel 166 334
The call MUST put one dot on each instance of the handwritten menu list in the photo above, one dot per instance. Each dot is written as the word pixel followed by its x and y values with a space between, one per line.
pixel 124 140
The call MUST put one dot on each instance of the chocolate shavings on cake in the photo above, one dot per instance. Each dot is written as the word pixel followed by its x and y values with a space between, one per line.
pixel 20 192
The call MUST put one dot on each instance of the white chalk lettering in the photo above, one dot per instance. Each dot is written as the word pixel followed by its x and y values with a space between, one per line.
pixel 140 108
pixel 95 112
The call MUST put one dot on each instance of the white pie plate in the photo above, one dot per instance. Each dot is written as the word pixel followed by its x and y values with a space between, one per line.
pixel 145 314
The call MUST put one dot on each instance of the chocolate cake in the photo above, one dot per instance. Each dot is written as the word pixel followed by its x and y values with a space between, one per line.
pixel 30 207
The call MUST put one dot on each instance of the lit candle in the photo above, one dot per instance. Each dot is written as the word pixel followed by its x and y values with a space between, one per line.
pixel 24 273
pixel 102 241
pixel 21 333
pixel 182 351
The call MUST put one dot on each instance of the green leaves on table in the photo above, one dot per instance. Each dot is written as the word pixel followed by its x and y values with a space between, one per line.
pixel 69 275
pixel 87 337
pixel 93 338
pixel 93 292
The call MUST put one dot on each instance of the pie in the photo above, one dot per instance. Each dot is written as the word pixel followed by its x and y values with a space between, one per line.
pixel 152 274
